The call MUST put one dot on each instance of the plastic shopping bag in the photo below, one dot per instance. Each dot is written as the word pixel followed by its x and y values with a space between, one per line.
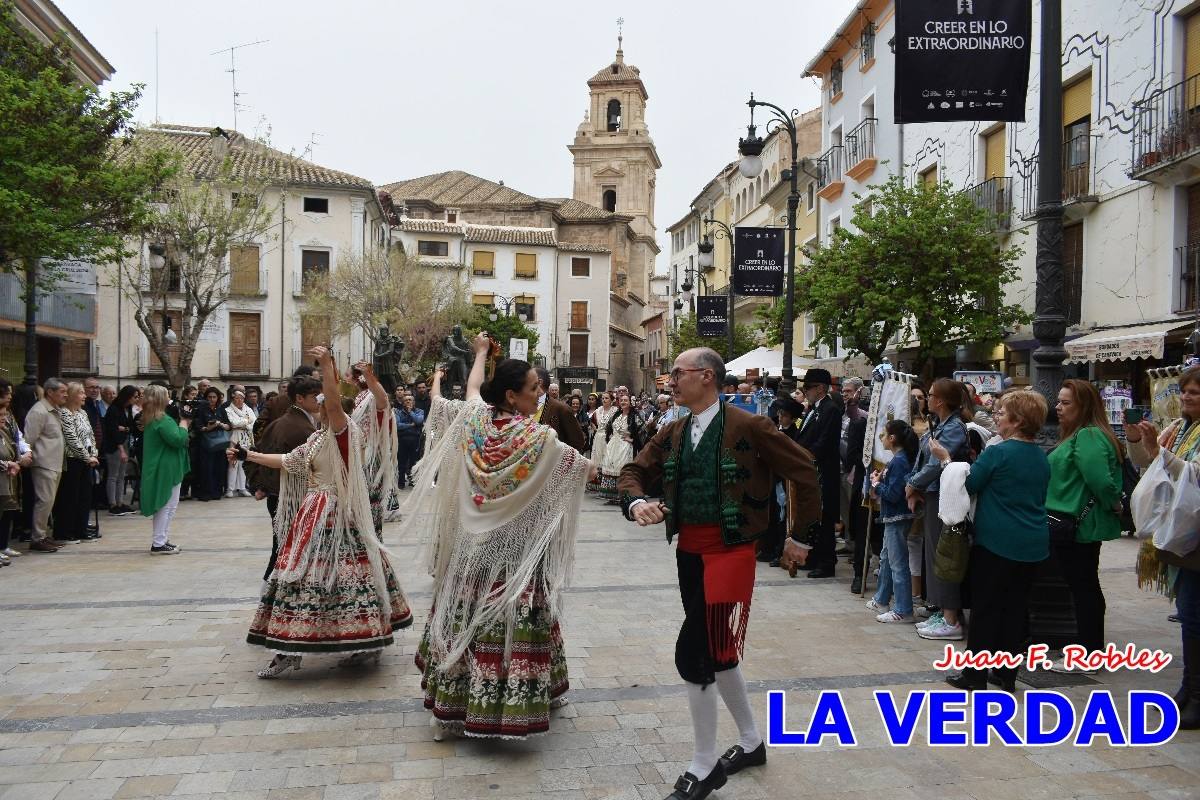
pixel 1168 510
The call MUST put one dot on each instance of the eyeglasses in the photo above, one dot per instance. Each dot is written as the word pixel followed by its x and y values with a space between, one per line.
pixel 677 373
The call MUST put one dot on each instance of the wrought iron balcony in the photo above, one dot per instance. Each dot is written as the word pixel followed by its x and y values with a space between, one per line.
pixel 832 165
pixel 1078 179
pixel 245 363
pixel 1166 132
pixel 995 197
pixel 860 149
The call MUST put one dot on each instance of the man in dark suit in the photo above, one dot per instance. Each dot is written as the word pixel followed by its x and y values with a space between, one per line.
pixel 821 435
pixel 283 435
pixel 558 415
pixel 717 468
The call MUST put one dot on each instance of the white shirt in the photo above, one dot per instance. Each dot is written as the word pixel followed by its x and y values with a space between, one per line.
pixel 701 421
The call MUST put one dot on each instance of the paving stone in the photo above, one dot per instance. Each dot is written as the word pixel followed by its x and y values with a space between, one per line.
pixel 147 786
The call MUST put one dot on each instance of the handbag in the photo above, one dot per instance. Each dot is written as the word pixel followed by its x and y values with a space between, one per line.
pixel 953 552
pixel 215 441
pixel 1064 526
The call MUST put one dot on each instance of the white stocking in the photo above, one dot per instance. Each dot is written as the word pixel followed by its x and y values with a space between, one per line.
pixel 737 700
pixel 702 702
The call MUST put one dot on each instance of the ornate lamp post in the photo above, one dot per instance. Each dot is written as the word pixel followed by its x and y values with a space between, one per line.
pixel 751 165
pixel 706 260
pixel 508 303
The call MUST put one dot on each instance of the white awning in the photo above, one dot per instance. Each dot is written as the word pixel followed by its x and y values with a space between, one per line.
pixel 767 359
pixel 1122 344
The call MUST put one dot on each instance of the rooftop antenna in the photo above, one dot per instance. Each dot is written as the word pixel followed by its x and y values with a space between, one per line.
pixel 312 143
pixel 156 118
pixel 233 71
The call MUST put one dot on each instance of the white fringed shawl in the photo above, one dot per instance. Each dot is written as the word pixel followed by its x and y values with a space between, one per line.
pixel 381 444
pixel 348 509
pixel 484 556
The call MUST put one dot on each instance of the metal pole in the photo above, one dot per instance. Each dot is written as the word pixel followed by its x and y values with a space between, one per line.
pixel 1050 321
pixel 731 354
pixel 788 384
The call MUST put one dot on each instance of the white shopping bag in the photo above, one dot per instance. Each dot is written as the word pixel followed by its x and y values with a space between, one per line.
pixel 1167 510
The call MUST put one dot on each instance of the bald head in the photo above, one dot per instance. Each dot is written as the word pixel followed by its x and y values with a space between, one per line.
pixel 696 378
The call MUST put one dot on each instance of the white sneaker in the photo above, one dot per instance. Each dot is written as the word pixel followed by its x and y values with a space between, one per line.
pixel 936 619
pixel 230 494
pixel 894 616
pixel 923 611
pixel 874 606
pixel 942 631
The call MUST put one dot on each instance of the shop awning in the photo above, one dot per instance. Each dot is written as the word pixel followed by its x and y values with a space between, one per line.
pixel 1122 344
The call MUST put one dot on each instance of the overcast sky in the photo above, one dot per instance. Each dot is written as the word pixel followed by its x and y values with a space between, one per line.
pixel 395 90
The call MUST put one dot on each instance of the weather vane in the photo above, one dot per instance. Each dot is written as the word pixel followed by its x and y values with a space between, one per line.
pixel 620 31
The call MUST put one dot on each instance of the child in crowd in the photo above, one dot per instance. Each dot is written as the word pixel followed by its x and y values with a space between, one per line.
pixel 888 488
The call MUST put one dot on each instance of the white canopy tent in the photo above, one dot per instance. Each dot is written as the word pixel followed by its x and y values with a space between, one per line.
pixel 768 360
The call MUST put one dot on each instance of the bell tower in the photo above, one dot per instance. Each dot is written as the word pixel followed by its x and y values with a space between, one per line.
pixel 615 161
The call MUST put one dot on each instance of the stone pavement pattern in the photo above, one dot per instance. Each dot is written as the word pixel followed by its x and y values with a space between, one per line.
pixel 124 675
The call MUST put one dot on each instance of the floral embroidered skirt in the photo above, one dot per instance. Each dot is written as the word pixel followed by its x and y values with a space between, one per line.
pixel 305 617
pixel 480 697
pixel 608 486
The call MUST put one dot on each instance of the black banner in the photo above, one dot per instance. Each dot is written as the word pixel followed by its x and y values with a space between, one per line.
pixel 711 315
pixel 581 378
pixel 959 60
pixel 758 262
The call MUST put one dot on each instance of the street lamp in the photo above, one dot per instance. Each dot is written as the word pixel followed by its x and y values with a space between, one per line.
pixel 751 148
pixel 508 302
pixel 706 248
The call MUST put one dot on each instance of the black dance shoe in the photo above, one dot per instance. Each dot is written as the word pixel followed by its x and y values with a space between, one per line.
pixel 821 572
pixel 737 759
pixel 965 681
pixel 689 787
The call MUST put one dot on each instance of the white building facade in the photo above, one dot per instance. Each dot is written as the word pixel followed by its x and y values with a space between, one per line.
pixel 1131 157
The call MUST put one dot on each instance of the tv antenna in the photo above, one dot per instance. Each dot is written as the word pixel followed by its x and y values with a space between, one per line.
pixel 233 71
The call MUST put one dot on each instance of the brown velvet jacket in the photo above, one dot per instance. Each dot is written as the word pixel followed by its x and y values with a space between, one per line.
pixel 558 415
pixel 754 455
pixel 283 435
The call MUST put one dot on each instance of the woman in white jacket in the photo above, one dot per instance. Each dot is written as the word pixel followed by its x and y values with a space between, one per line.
pixel 241 423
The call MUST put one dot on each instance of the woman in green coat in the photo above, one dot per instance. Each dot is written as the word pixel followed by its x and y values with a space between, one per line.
pixel 164 463
pixel 1085 483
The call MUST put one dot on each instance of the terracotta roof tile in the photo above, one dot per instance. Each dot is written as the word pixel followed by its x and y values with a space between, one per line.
pixel 455 188
pixel 417 225
pixel 248 159
pixel 539 237
pixel 581 247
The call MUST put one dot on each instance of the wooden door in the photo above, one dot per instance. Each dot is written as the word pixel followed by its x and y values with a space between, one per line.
pixel 245 342
pixel 579 349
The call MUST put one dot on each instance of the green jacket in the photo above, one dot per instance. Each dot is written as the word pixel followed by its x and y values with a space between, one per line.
pixel 1083 467
pixel 164 462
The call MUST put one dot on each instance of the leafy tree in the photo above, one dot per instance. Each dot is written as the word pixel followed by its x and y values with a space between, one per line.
pixel 385 287
pixel 62 193
pixel 198 217
pixel 685 337
pixel 925 263
pixel 502 329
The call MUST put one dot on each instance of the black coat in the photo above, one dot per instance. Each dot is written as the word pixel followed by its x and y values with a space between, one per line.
pixel 821 435
pixel 111 438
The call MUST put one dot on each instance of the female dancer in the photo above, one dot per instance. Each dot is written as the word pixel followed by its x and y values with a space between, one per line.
pixel 373 416
pixel 600 419
pixel 503 514
pixel 333 589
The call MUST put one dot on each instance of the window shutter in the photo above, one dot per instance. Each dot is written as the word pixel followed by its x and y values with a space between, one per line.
pixel 1077 101
pixel 483 299
pixel 994 155
pixel 483 261
pixel 526 265
pixel 1191 49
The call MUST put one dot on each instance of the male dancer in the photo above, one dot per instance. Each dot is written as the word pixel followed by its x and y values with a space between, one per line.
pixel 724 461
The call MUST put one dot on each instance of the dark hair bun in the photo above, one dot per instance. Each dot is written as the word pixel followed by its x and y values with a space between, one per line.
pixel 511 373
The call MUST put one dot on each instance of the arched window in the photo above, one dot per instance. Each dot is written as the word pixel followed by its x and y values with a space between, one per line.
pixel 614 115
pixel 610 198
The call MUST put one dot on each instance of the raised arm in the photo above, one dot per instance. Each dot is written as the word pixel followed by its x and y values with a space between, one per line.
pixel 480 345
pixel 373 385
pixel 334 413
pixel 435 387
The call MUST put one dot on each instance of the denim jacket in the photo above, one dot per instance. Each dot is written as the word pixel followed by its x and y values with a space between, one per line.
pixel 892 506
pixel 927 472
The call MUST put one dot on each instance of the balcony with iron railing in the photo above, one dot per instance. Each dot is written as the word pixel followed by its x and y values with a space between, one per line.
pixel 148 362
pixel 1078 180
pixel 995 197
pixel 245 363
pixel 832 164
pixel 579 322
pixel 306 280
pixel 1188 258
pixel 860 150
pixel 1166 133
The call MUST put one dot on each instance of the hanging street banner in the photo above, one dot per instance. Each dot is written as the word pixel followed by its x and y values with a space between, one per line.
pixel 711 315
pixel 758 262
pixel 962 60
